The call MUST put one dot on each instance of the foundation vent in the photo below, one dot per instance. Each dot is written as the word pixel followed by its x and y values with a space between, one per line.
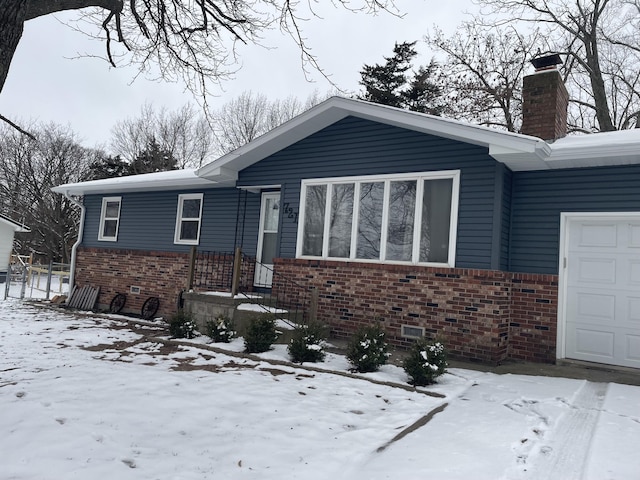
pixel 409 331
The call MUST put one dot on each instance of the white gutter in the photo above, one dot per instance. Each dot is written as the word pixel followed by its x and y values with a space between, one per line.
pixel 72 266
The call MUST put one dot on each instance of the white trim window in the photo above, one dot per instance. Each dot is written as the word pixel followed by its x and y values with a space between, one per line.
pixel 109 219
pixel 401 218
pixel 188 219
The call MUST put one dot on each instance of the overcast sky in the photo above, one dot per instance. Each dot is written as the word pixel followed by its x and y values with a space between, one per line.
pixel 46 83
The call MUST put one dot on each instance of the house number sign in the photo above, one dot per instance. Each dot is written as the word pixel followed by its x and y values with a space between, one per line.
pixel 290 212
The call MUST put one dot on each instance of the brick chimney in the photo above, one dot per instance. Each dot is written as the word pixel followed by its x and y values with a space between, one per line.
pixel 545 100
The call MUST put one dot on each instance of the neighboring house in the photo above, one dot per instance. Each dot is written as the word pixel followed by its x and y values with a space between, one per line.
pixel 8 228
pixel 506 246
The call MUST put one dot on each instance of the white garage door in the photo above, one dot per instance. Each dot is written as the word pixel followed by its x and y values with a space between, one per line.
pixel 603 290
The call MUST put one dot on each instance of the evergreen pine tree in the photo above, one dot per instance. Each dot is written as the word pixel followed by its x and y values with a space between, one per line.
pixel 390 83
pixel 153 159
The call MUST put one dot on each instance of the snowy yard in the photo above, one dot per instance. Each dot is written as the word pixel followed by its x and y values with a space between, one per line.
pixel 91 398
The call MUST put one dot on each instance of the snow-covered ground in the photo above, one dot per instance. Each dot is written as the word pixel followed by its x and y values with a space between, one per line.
pixel 86 397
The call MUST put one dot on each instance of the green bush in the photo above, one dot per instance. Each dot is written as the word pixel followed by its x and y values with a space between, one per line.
pixel 308 343
pixel 220 329
pixel 260 335
pixel 426 361
pixel 182 325
pixel 367 350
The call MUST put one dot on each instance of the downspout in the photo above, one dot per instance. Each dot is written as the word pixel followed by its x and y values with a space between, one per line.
pixel 72 266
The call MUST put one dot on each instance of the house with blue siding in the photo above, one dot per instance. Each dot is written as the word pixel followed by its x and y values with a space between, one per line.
pixel 505 246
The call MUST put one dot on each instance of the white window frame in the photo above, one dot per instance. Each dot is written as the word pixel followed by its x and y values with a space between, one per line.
pixel 454 175
pixel 179 218
pixel 104 218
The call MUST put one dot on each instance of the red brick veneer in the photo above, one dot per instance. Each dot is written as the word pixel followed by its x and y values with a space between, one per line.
pixel 158 274
pixel 482 315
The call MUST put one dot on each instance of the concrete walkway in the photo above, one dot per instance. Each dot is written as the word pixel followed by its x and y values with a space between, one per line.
pixel 593 372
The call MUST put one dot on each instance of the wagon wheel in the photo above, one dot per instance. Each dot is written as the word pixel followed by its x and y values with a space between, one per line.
pixel 117 303
pixel 150 307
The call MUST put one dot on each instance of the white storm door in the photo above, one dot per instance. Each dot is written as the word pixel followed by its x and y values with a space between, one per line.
pixel 267 239
pixel 603 290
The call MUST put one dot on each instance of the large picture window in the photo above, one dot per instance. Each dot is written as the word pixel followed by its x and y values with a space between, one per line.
pixel 407 218
pixel 188 219
pixel 109 219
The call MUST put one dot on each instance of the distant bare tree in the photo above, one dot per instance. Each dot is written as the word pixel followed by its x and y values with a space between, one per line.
pixel 184 133
pixel 599 39
pixel 28 170
pixel 250 115
pixel 485 66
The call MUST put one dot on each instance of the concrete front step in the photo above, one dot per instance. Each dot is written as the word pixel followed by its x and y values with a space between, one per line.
pixel 205 306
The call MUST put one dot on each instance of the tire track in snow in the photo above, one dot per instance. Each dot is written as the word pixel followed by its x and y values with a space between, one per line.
pixel 568 448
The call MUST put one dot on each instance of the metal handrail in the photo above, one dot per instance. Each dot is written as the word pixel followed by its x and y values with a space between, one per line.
pixel 214 270
pixel 289 298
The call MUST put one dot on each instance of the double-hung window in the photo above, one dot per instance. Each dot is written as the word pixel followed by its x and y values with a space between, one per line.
pixel 188 219
pixel 390 218
pixel 109 219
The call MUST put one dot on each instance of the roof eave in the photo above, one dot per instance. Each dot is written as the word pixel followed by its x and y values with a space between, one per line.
pixel 17 227
pixel 78 189
pixel 595 156
pixel 534 157
pixel 520 148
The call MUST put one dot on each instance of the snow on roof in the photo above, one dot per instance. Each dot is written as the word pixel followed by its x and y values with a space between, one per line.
pixel 597 149
pixel 173 179
pixel 518 152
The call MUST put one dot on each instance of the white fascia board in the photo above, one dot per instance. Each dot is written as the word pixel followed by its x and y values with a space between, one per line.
pixel 519 160
pixel 222 174
pixel 16 227
pixel 606 155
pixel 337 108
pixel 172 180
pixel 290 132
pixel 596 150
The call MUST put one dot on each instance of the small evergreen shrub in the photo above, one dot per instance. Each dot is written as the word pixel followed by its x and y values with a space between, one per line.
pixel 182 325
pixel 220 329
pixel 425 362
pixel 260 335
pixel 367 350
pixel 308 343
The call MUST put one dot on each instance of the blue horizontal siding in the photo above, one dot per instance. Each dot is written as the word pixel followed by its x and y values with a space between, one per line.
pixel 505 230
pixel 539 198
pixel 148 219
pixel 355 147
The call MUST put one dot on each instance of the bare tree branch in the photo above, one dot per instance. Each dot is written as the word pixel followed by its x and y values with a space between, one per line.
pixel 17 127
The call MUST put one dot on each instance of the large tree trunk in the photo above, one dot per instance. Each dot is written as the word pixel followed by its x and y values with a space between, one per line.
pixel 603 114
pixel 13 14
pixel 12 18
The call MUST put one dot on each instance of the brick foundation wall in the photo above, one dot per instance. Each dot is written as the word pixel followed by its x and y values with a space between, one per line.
pixel 482 315
pixel 533 318
pixel 158 274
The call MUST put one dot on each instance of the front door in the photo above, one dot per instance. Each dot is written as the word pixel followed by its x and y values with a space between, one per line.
pixel 267 239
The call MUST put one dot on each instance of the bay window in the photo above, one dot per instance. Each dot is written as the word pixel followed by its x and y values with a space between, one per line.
pixel 403 218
